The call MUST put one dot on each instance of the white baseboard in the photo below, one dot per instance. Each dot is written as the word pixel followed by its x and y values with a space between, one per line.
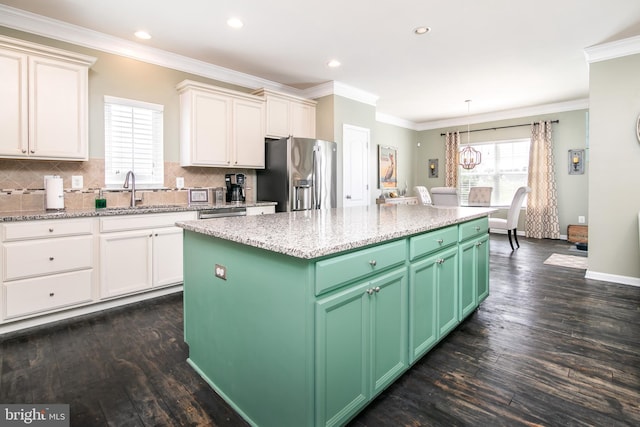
pixel 614 278
pixel 12 326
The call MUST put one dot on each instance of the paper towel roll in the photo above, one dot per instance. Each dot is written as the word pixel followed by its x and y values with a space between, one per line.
pixel 54 193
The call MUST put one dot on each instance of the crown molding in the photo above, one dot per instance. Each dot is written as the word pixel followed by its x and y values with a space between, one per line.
pixel 341 89
pixel 36 24
pixel 558 107
pixel 612 50
pixel 396 121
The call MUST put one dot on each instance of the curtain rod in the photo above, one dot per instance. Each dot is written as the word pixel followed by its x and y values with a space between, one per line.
pixel 502 127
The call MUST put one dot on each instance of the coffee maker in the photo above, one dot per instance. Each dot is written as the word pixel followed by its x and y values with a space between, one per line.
pixel 235 187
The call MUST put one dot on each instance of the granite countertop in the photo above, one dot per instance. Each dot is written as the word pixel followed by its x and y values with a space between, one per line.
pixel 112 211
pixel 317 233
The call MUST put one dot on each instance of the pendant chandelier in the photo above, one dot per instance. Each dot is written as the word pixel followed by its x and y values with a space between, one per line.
pixel 469 158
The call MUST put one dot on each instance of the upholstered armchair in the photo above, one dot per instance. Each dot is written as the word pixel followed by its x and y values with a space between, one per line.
pixel 423 194
pixel 480 196
pixel 444 196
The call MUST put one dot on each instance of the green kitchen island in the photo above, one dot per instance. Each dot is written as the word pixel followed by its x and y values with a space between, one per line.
pixel 303 318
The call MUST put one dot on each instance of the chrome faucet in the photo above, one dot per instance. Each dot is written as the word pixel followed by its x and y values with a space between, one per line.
pixel 133 187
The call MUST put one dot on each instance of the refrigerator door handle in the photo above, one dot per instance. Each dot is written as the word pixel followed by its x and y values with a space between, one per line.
pixel 317 178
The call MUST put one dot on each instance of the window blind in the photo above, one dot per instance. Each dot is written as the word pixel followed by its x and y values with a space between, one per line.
pixel 133 141
pixel 505 166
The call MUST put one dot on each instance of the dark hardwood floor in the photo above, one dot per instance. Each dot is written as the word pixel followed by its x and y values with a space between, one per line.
pixel 548 347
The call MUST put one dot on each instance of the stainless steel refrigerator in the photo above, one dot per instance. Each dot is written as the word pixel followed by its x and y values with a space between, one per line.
pixel 299 174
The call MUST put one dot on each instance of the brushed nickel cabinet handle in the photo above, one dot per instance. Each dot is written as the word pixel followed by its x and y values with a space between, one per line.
pixel 440 241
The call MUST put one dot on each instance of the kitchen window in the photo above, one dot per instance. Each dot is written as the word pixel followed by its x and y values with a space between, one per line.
pixel 133 142
pixel 505 167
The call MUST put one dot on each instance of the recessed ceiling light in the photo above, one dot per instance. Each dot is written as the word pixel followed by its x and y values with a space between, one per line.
pixel 142 35
pixel 422 30
pixel 235 23
pixel 334 63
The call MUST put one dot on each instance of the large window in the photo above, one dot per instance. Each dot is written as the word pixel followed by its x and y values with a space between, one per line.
pixel 133 142
pixel 504 167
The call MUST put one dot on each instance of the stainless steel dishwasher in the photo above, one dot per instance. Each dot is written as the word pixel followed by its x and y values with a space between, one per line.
pixel 222 212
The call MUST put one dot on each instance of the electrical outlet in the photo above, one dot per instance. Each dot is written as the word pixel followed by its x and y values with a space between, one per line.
pixel 180 182
pixel 77 182
pixel 221 272
pixel 581 219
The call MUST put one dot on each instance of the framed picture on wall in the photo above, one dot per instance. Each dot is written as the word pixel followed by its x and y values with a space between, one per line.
pixel 387 167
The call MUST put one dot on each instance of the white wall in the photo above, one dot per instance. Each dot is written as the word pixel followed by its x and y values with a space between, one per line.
pixel 614 181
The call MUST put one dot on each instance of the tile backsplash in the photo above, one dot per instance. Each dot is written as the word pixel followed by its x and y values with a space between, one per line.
pixel 22 184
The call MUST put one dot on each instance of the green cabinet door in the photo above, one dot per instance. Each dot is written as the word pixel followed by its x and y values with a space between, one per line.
pixel 389 328
pixel 342 352
pixel 468 280
pixel 433 299
pixel 482 275
pixel 361 342
pixel 447 291
pixel 474 273
pixel 423 330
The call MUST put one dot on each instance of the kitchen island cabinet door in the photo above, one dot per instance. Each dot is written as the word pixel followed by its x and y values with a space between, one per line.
pixel 389 328
pixel 447 291
pixel 423 310
pixel 342 353
pixel 361 345
pixel 474 274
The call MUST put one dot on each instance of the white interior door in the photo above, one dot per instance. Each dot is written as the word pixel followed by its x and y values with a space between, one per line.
pixel 355 165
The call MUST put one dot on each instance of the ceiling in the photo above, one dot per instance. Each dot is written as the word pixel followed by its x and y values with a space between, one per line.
pixel 501 54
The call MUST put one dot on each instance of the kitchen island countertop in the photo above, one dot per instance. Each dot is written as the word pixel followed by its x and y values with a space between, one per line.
pixel 318 233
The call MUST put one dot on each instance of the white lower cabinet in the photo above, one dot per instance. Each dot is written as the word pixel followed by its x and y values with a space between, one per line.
pixel 46 293
pixel 260 210
pixel 140 258
pixel 46 266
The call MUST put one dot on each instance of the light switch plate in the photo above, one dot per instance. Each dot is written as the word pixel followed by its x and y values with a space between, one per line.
pixel 77 182
pixel 180 182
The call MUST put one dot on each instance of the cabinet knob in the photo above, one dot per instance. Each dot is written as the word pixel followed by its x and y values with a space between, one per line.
pixel 440 261
pixel 479 243
pixel 377 289
pixel 50 258
pixel 370 291
pixel 51 294
pixel 33 151
pixel 151 235
pixel 373 263
pixel 477 228
pixel 51 230
pixel 24 151
pixel 440 241
pixel 156 234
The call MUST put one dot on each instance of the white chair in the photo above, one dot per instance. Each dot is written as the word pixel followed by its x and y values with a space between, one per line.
pixel 423 194
pixel 444 196
pixel 511 223
pixel 480 196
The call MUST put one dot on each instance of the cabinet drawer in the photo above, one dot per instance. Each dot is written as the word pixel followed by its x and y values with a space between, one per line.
pixel 47 293
pixel 331 273
pixel 137 222
pixel 473 228
pixel 434 240
pixel 39 257
pixel 260 210
pixel 44 229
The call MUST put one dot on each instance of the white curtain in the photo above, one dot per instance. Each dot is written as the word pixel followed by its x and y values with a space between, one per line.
pixel 452 143
pixel 542 203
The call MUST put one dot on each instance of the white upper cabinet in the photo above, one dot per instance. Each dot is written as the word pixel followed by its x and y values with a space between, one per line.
pixel 45 102
pixel 220 127
pixel 288 115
